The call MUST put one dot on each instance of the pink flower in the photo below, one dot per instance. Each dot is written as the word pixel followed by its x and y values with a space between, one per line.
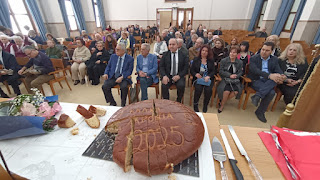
pixel 27 109
pixel 56 107
pixel 45 110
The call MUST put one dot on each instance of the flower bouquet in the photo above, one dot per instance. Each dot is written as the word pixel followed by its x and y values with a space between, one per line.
pixel 29 111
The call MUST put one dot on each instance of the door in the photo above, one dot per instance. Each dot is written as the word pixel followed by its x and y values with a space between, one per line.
pixel 184 17
pixel 164 18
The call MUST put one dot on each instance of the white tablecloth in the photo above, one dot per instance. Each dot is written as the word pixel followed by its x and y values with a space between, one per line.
pixel 58 154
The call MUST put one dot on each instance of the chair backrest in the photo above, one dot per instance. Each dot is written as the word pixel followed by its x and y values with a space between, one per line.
pixel 246 71
pixel 57 63
pixel 22 60
pixel 71 46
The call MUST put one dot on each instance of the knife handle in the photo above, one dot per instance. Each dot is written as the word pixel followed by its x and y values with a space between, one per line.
pixel 223 172
pixel 255 171
pixel 235 168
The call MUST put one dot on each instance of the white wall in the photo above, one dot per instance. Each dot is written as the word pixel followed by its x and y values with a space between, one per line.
pixel 272 10
pixel 311 11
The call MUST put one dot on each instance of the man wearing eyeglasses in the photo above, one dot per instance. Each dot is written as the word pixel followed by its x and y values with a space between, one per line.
pixel 37 69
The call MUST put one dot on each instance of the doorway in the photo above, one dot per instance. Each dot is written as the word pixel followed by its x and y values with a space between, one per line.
pixel 184 18
pixel 164 18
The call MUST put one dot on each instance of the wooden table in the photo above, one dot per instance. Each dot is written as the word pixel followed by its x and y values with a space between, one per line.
pixel 251 143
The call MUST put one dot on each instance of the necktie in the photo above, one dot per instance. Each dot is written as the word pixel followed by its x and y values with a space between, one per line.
pixel 117 74
pixel 174 71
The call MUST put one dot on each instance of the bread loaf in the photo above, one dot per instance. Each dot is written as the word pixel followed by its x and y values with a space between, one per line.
pixel 164 134
pixel 65 121
pixel 97 110
pixel 84 112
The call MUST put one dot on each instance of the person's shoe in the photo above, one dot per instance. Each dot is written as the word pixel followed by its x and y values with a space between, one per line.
pixel 196 108
pixel 76 82
pixel 94 83
pixel 205 109
pixel 219 111
pixel 83 81
pixel 113 104
pixel 255 100
pixel 261 116
pixel 123 105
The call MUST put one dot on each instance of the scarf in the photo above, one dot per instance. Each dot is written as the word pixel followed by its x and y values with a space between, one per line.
pixel 158 47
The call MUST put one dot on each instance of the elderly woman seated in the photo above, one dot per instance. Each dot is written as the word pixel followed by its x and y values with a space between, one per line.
pixel 97 63
pixel 276 41
pixel 78 68
pixel 124 39
pixel 230 72
pixel 52 50
pixel 159 47
pixel 294 65
pixel 16 49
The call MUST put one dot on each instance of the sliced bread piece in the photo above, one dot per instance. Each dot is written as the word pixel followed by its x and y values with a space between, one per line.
pixel 65 121
pixel 93 122
pixel 97 110
pixel 84 112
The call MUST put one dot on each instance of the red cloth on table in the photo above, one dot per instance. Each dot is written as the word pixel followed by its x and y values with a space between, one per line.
pixel 302 152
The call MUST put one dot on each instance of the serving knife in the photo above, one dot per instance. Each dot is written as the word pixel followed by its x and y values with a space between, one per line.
pixel 219 155
pixel 244 153
pixel 232 160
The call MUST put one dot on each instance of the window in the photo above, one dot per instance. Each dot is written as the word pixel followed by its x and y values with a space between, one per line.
pixel 263 10
pixel 20 16
pixel 71 17
pixel 96 12
pixel 292 15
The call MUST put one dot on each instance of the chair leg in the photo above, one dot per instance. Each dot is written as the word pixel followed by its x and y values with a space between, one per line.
pixel 42 91
pixel 118 91
pixel 278 97
pixel 129 87
pixel 60 85
pixel 191 90
pixel 212 96
pixel 24 82
pixel 246 101
pixel 157 91
pixel 240 100
pixel 137 95
pixel 7 86
pixel 68 84
pixel 52 89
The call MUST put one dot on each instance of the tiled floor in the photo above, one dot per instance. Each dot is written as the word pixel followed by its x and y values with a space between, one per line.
pixel 88 94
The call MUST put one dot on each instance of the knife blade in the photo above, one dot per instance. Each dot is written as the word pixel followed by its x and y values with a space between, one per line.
pixel 244 153
pixel 219 155
pixel 232 160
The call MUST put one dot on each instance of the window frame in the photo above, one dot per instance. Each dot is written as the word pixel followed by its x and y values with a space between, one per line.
pixel 96 14
pixel 260 14
pixel 35 28
pixel 74 16
pixel 295 15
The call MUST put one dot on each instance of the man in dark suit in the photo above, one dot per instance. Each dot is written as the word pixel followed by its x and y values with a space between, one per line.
pixel 173 67
pixel 165 36
pixel 265 73
pixel 8 63
pixel 261 33
pixel 119 67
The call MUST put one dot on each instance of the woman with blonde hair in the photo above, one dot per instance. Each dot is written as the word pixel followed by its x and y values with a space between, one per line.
pixel 276 41
pixel 294 65
pixel 124 38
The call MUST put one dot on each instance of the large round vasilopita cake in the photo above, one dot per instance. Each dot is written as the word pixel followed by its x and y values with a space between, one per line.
pixel 155 134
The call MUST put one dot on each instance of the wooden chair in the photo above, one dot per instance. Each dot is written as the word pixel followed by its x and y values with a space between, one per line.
pixel 217 80
pixel 138 44
pixel 5 82
pixel 172 87
pixel 22 61
pixel 277 99
pixel 71 46
pixel 59 74
pixel 148 38
pixel 154 85
pixel 129 87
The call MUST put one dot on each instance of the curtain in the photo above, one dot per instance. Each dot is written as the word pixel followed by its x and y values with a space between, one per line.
pixel 298 15
pixel 317 37
pixel 35 12
pixel 282 16
pixel 64 15
pixel 101 14
pixel 4 14
pixel 255 14
pixel 77 8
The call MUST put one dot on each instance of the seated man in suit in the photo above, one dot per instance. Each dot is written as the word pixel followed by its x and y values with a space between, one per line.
pixel 265 73
pixel 261 33
pixel 182 47
pixel 8 63
pixel 173 67
pixel 147 67
pixel 119 67
pixel 41 67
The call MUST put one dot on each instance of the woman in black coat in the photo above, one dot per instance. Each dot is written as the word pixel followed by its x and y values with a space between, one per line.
pixel 294 65
pixel 230 72
pixel 97 63
pixel 203 69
